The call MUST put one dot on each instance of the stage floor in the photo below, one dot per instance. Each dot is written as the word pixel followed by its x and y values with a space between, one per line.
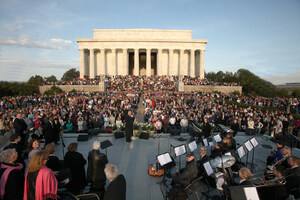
pixel 133 159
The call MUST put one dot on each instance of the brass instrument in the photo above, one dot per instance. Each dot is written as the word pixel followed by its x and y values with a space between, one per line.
pixel 273 182
pixel 279 162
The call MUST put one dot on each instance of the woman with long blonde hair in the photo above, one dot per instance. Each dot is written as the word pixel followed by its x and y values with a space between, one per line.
pixel 40 182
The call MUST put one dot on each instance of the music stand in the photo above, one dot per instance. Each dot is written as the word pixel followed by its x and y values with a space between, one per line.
pixel 208 168
pixel 179 151
pixel 205 142
pixel 254 144
pixel 192 146
pixel 249 147
pixel 165 161
pixel 241 152
pixel 105 144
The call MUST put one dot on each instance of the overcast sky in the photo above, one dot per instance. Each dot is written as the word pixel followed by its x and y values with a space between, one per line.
pixel 39 36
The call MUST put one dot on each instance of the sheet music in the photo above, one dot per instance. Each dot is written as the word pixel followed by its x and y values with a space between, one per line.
pixel 211 144
pixel 205 142
pixel 254 142
pixel 180 150
pixel 241 152
pixel 193 146
pixel 228 154
pixel 208 168
pixel 248 145
pixel 251 193
pixel 218 138
pixel 164 159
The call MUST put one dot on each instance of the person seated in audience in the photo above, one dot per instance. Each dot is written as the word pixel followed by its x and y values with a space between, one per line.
pixel 11 176
pixel 95 170
pixel 116 189
pixel 293 177
pixel 40 181
pixel 235 127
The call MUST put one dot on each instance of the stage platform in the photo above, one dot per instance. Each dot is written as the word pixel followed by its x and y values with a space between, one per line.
pixel 133 159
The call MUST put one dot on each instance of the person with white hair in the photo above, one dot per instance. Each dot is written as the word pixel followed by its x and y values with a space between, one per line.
pixel 116 189
pixel 11 176
pixel 95 171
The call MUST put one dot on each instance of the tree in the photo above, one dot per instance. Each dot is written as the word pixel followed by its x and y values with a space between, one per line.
pixel 36 80
pixel 51 78
pixel 70 75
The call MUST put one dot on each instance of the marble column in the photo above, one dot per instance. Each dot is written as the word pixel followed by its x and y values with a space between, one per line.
pixel 201 64
pixel 125 62
pixel 92 63
pixel 113 62
pixel 148 62
pixel 171 62
pixel 136 62
pixel 192 63
pixel 102 62
pixel 181 66
pixel 82 63
pixel 159 62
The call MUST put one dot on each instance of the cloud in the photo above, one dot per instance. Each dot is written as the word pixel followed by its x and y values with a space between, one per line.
pixel 14 28
pixel 28 42
pixel 22 70
pixel 283 78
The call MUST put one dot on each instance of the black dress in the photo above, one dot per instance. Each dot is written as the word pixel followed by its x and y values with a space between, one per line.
pixel 128 127
pixel 95 171
pixel 75 162
pixel 14 188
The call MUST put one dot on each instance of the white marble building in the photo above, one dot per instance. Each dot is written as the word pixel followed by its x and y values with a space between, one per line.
pixel 141 52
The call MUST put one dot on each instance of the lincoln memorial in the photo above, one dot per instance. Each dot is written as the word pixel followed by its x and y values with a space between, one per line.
pixel 141 52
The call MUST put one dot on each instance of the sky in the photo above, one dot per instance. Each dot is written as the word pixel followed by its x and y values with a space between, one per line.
pixel 38 37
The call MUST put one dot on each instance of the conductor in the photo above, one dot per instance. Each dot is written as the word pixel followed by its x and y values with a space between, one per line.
pixel 129 126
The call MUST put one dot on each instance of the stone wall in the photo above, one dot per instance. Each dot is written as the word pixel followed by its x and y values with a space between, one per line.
pixel 79 88
pixel 222 89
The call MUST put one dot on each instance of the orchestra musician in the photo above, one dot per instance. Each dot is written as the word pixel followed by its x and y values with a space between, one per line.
pixel 218 150
pixel 245 175
pixel 293 177
pixel 275 156
pixel 187 174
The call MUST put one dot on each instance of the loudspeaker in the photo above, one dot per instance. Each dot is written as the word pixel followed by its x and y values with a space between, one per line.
pixel 82 138
pixel 144 135
pixel 119 135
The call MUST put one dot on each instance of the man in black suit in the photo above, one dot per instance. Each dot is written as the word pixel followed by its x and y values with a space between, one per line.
pixel 129 126
pixel 116 189
pixel 200 162
pixel 20 128
pixel 293 177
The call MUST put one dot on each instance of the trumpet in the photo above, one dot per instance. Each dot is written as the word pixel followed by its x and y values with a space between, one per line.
pixel 273 182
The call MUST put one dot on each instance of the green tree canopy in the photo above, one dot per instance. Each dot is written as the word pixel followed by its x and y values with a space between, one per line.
pixel 70 75
pixel 36 80
pixel 51 78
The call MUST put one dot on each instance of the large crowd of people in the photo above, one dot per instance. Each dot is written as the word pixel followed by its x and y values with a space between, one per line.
pixel 28 119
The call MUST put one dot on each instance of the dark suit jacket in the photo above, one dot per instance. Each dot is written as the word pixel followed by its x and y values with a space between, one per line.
pixel 293 182
pixel 201 170
pixel 20 126
pixel 116 190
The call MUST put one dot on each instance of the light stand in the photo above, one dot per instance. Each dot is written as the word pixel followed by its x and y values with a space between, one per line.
pixel 254 144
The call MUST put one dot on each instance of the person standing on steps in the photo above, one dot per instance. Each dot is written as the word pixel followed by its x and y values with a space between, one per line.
pixel 129 126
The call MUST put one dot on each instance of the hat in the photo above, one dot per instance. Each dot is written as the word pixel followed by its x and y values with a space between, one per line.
pixel 190 154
